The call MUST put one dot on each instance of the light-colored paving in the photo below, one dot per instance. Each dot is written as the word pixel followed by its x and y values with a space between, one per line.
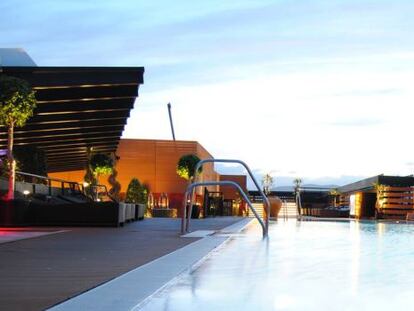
pixel 11 235
pixel 198 234
pixel 131 290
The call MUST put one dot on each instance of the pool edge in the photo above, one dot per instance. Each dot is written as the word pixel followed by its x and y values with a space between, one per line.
pixel 126 292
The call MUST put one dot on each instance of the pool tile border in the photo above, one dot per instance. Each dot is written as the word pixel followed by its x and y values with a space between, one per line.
pixel 135 288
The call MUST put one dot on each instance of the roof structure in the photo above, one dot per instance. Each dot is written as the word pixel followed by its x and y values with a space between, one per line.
pixel 369 183
pixel 15 57
pixel 78 108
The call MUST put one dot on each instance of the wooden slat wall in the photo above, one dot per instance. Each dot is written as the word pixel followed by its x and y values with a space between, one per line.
pixel 154 163
pixel 395 201
pixel 343 200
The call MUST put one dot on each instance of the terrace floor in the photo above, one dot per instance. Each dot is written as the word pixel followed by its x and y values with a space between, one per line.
pixel 41 267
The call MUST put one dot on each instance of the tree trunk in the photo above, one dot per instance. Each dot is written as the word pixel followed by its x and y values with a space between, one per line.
pixel 11 162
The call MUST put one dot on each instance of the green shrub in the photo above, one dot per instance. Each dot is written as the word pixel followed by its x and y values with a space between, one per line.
pixel 17 104
pixel 32 159
pixel 101 164
pixel 186 166
pixel 136 192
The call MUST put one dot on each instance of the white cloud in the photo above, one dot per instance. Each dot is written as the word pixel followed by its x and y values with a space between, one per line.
pixel 292 122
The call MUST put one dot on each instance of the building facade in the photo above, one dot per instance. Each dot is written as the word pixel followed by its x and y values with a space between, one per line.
pixel 154 163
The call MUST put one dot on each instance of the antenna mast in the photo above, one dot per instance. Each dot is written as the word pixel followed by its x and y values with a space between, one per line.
pixel 171 121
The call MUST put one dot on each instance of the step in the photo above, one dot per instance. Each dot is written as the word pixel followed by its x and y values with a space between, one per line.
pixel 289 210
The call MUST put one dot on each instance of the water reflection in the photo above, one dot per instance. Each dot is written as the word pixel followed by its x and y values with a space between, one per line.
pixel 307 266
pixel 355 230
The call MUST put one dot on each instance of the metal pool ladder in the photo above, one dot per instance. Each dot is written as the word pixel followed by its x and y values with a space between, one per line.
pixel 190 191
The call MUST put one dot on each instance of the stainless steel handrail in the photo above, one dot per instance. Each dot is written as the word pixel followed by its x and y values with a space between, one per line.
pixel 49 181
pixel 189 192
pixel 265 199
pixel 47 178
pixel 285 211
pixel 298 204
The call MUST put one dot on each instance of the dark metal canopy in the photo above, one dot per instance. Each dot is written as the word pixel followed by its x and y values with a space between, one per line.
pixel 78 107
pixel 369 183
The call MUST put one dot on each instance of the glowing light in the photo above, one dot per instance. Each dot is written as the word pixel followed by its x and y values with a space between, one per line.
pixel 85 184
pixel 26 192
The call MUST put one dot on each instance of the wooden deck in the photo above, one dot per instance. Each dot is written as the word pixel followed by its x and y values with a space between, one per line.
pixel 40 272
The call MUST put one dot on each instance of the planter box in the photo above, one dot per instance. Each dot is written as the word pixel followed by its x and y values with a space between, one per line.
pixel 195 212
pixel 164 212
pixel 275 207
pixel 140 211
pixel 121 213
pixel 29 213
pixel 133 212
pixel 14 213
pixel 128 214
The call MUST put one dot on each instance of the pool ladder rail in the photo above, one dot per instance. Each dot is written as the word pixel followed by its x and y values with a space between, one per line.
pixel 190 194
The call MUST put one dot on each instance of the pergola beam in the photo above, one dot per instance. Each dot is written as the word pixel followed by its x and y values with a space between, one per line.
pixel 78 108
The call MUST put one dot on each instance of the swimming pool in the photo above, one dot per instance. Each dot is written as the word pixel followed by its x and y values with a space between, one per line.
pixel 302 266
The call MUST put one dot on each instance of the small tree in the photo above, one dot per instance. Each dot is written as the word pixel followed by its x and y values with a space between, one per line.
pixel 115 185
pixel 267 183
pixel 297 182
pixel 186 166
pixel 133 191
pixel 334 194
pixel 32 159
pixel 89 177
pixel 101 164
pixel 17 102
pixel 380 189
pixel 98 164
pixel 136 192
pixel 143 199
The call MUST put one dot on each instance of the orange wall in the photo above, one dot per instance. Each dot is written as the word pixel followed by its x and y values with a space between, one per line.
pixel 208 173
pixel 230 192
pixel 69 175
pixel 154 163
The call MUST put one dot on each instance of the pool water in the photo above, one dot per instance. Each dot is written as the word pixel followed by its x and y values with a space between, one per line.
pixel 302 266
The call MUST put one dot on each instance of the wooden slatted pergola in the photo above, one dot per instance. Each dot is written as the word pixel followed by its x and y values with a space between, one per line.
pixel 78 108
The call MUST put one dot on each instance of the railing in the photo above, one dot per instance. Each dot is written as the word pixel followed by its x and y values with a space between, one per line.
pixel 285 212
pixel 191 189
pixel 74 186
pixel 298 204
pixel 99 193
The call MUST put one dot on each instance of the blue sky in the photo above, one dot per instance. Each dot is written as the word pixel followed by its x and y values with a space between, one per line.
pixel 316 88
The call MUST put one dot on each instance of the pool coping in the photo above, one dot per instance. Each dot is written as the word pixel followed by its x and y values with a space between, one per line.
pixel 327 219
pixel 132 290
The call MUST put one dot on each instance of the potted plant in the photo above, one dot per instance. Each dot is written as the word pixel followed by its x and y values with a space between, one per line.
pixel 186 169
pixel 297 182
pixel 334 193
pixel 32 159
pixel 267 183
pixel 99 164
pixel 115 189
pixel 17 103
pixel 137 194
